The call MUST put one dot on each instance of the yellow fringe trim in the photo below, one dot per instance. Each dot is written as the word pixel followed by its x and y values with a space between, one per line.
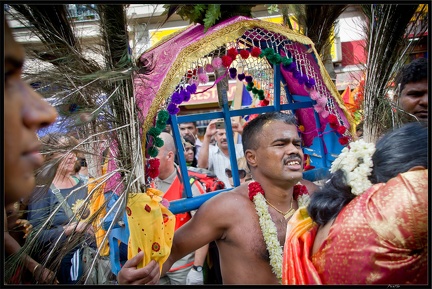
pixel 218 38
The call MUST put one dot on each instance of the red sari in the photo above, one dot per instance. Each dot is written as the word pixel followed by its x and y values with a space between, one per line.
pixel 380 237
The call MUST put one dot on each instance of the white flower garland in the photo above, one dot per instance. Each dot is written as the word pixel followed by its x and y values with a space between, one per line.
pixel 357 164
pixel 303 200
pixel 269 231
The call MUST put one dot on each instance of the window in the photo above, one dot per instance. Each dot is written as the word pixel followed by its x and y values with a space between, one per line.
pixel 82 12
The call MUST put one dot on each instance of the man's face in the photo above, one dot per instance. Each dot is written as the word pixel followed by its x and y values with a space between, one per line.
pixel 221 139
pixel 188 128
pixel 414 99
pixel 24 113
pixel 279 156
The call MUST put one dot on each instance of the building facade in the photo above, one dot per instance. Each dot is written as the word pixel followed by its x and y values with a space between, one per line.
pixel 146 29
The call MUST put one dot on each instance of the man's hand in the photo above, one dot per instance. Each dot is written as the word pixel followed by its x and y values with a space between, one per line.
pixel 194 278
pixel 80 227
pixel 237 127
pixel 43 275
pixel 25 226
pixel 129 274
pixel 211 128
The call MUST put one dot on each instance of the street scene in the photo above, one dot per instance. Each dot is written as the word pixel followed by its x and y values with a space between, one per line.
pixel 202 144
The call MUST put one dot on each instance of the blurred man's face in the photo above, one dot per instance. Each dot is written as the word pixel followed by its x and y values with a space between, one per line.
pixel 25 112
pixel 220 138
pixel 414 99
pixel 188 128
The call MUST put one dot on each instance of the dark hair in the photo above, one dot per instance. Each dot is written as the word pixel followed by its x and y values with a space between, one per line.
pixel 396 152
pixel 167 129
pixel 414 71
pixel 192 122
pixel 252 130
pixel 77 166
pixel 192 142
pixel 399 150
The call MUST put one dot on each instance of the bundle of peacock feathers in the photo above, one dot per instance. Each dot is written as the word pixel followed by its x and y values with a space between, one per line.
pixel 92 89
pixel 390 31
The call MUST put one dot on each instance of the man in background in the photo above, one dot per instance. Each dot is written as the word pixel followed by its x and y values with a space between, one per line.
pixel 216 158
pixel 189 130
pixel 412 90
pixel 187 270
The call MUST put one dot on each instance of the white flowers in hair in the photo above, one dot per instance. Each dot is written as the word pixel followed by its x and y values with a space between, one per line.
pixel 357 163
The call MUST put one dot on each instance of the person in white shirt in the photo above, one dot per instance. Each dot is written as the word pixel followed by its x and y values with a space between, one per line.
pixel 216 158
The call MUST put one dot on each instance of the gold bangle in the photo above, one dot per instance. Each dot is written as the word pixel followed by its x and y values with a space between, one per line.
pixel 34 269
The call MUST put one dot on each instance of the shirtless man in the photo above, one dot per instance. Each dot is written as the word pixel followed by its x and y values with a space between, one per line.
pixel 273 151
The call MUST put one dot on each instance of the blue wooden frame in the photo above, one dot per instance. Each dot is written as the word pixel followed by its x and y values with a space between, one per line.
pixel 294 102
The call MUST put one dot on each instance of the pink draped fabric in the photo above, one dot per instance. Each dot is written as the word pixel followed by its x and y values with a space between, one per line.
pixel 113 183
pixel 306 116
pixel 164 56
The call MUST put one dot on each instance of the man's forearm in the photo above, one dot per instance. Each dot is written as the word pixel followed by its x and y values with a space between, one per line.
pixel 167 265
pixel 13 247
pixel 200 255
pixel 204 153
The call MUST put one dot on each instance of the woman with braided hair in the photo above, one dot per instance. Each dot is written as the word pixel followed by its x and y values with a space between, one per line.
pixel 369 222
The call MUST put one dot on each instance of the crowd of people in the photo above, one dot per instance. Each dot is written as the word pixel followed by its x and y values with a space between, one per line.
pixel 411 100
pixel 366 225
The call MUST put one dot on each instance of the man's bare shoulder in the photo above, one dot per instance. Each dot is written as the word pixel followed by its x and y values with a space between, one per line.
pixel 241 190
pixel 311 187
pixel 228 202
pixel 227 210
pixel 239 193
